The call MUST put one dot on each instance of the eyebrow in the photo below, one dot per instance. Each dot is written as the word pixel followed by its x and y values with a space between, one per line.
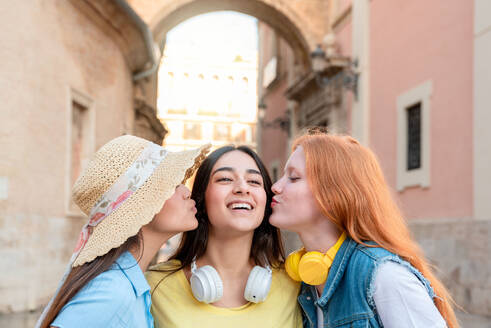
pixel 230 169
pixel 289 168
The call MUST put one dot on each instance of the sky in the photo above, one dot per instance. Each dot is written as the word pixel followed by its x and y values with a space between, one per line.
pixel 217 33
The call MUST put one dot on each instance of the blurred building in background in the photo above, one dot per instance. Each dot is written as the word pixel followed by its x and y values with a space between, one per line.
pixel 410 80
pixel 208 96
pixel 70 81
pixel 207 87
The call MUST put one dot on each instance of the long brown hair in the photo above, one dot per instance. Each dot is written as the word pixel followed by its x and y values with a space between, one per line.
pixel 267 247
pixel 83 274
pixel 350 189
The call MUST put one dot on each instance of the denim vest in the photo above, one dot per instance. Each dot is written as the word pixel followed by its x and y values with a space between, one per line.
pixel 347 297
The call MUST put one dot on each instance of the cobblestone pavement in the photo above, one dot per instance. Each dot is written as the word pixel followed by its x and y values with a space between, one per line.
pixel 28 320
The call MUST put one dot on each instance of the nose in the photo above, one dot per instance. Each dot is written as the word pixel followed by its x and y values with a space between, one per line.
pixel 277 187
pixel 241 187
pixel 185 192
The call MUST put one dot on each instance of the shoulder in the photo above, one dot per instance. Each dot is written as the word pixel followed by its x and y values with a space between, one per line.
pixel 366 258
pixel 363 262
pixel 392 277
pixel 158 272
pixel 283 282
pixel 101 302
pixel 400 296
pixel 111 284
pixel 373 252
pixel 281 305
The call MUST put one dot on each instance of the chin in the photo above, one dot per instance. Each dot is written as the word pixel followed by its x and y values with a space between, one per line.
pixel 194 225
pixel 276 221
pixel 243 227
pixel 273 220
pixel 189 225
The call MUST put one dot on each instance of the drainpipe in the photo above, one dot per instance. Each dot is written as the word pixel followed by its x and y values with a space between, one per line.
pixel 153 50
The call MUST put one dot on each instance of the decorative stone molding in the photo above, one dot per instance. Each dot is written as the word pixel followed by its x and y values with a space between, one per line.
pixel 315 103
pixel 147 125
pixel 421 176
pixel 77 97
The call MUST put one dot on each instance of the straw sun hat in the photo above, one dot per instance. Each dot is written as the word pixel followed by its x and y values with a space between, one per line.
pixel 123 187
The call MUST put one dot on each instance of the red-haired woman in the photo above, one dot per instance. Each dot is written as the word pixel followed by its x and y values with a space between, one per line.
pixel 359 265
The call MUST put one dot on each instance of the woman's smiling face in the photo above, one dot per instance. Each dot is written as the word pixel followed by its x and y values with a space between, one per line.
pixel 235 198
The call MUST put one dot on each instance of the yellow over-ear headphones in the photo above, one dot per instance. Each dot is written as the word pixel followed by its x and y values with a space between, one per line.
pixel 312 267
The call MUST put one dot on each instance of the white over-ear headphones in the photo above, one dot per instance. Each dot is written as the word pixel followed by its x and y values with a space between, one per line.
pixel 207 285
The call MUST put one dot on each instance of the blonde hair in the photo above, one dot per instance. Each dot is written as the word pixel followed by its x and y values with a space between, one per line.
pixel 349 186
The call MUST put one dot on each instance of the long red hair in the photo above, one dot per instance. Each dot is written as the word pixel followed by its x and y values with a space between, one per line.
pixel 350 189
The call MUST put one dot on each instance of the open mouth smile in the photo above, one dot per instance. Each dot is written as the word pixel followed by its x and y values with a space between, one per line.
pixel 236 206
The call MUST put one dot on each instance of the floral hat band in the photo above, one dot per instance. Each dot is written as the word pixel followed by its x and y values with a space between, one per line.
pixel 127 184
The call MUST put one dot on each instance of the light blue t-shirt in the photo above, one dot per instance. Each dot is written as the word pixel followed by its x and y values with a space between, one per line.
pixel 118 297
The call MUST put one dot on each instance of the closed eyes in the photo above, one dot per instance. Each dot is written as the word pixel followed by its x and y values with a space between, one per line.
pixel 255 182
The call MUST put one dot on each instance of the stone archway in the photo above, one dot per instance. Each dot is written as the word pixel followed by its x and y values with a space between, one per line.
pixel 301 23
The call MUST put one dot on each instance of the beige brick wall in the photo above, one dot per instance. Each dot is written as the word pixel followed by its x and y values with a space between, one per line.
pixel 460 249
pixel 48 48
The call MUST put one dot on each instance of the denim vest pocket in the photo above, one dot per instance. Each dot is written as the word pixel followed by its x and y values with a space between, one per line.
pixel 356 321
pixel 363 323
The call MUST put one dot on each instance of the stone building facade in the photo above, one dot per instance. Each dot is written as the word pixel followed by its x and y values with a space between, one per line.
pixel 419 102
pixel 67 84
pixel 207 98
pixel 68 70
pixel 67 81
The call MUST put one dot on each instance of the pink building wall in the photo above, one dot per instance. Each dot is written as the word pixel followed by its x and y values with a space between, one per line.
pixel 343 32
pixel 412 42
pixel 274 148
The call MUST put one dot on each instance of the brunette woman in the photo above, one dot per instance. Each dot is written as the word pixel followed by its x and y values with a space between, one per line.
pixel 229 271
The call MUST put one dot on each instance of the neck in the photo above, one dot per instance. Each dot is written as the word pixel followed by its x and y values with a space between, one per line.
pixel 230 255
pixel 319 236
pixel 152 243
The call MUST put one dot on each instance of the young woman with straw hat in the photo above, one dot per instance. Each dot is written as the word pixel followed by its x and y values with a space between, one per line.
pixel 229 271
pixel 133 195
pixel 360 267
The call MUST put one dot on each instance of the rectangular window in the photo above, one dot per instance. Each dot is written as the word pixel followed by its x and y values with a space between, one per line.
pixel 414 137
pixel 241 136
pixel 192 131
pixel 79 144
pixel 221 132
pixel 81 136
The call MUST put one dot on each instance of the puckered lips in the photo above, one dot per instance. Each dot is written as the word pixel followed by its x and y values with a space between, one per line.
pixel 274 202
pixel 240 206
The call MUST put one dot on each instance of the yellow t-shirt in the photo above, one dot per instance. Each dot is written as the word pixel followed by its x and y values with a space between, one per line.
pixel 173 304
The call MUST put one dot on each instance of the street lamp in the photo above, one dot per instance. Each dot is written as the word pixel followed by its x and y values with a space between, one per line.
pixel 339 70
